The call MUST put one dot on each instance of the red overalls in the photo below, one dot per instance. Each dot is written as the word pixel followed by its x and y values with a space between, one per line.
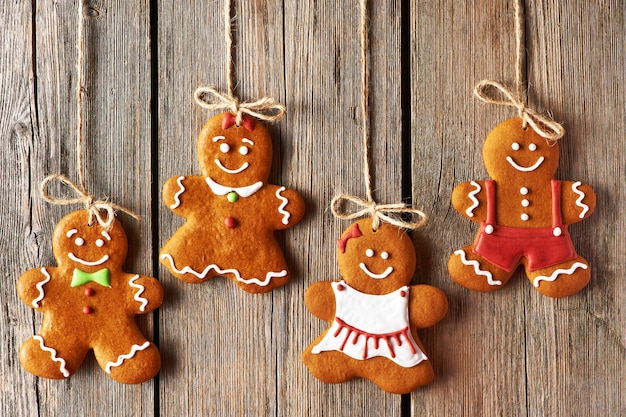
pixel 542 247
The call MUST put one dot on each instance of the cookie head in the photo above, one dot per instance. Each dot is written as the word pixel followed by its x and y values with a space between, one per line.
pixel 513 153
pixel 233 155
pixel 375 262
pixel 89 248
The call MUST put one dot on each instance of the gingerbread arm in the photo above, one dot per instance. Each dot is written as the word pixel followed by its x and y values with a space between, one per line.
pixel 470 199
pixel 577 201
pixel 31 286
pixel 144 294
pixel 427 305
pixel 320 300
pixel 183 194
pixel 288 207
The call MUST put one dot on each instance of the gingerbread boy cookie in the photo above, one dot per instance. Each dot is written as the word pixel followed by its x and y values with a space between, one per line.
pixel 89 302
pixel 231 210
pixel 374 313
pixel 523 214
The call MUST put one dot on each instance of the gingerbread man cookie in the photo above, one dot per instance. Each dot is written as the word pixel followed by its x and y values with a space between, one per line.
pixel 374 313
pixel 231 210
pixel 523 214
pixel 89 302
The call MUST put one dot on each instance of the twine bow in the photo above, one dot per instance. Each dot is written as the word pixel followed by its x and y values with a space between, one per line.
pixel 390 213
pixel 94 206
pixel 265 108
pixel 544 126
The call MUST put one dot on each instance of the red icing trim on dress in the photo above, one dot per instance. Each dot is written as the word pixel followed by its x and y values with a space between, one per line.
pixel 354 231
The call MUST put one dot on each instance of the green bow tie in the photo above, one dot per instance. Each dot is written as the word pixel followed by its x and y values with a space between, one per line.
pixel 100 277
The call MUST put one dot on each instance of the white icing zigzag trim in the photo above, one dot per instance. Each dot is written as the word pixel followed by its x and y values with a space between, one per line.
pixel 579 201
pixel 472 196
pixel 122 358
pixel 53 353
pixel 176 202
pixel 477 269
pixel 202 275
pixel 140 288
pixel 558 272
pixel 39 286
pixel 284 203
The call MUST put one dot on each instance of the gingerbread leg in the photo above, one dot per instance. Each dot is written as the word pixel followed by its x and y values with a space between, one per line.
pixel 561 280
pixel 129 363
pixel 331 367
pixel 48 357
pixel 410 379
pixel 475 273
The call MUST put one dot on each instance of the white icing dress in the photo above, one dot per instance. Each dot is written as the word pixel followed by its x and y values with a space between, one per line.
pixel 366 326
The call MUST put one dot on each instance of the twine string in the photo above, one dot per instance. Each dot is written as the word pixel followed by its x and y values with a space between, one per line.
pixel 494 92
pixel 395 213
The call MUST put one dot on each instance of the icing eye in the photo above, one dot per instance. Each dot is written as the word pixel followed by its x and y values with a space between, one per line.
pixel 532 147
pixel 244 150
pixel 99 243
pixel 515 146
pixel 224 147
pixel 79 241
pixel 384 255
pixel 369 253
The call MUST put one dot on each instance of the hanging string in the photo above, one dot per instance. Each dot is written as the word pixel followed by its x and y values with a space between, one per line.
pixel 266 108
pixel 494 92
pixel 389 213
pixel 93 205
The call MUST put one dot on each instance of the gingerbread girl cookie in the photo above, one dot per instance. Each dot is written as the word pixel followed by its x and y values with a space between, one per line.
pixel 89 302
pixel 231 210
pixel 374 313
pixel 523 214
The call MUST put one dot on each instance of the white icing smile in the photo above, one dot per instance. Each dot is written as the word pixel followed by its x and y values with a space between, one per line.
pixel 84 262
pixel 525 169
pixel 384 274
pixel 231 171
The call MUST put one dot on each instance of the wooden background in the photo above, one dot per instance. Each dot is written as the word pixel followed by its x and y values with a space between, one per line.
pixel 226 352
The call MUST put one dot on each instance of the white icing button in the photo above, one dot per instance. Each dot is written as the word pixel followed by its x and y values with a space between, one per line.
pixel 523 191
pixel 369 253
pixel 489 229
pixel 532 147
pixel 525 203
pixel 515 146
pixel 557 231
pixel 384 255
pixel 525 216
pixel 224 147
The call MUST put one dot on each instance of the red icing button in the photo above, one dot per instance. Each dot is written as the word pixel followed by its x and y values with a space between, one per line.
pixel 402 293
pixel 90 292
pixel 230 222
pixel 340 287
pixel 87 310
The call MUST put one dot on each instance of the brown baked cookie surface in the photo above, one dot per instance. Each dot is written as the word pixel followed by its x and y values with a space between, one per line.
pixel 523 214
pixel 231 211
pixel 374 313
pixel 89 302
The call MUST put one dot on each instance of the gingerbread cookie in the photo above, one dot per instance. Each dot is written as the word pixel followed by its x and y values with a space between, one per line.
pixel 374 313
pixel 231 210
pixel 89 302
pixel 523 214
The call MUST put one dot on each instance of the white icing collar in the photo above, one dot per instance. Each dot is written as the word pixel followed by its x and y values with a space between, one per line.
pixel 246 191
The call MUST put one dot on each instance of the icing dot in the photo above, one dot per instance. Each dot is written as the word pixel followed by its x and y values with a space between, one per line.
pixel 230 222
pixel 384 255
pixel 557 231
pixel 525 203
pixel 90 292
pixel 87 310
pixel 79 241
pixel 232 197
pixel 224 147
pixel 402 293
pixel 524 216
pixel 515 146
pixel 369 253
pixel 523 191
pixel 489 229
pixel 99 243
pixel 340 287
pixel 244 150
pixel 532 147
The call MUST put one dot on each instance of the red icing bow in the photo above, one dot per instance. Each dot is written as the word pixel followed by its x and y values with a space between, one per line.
pixel 230 120
pixel 354 231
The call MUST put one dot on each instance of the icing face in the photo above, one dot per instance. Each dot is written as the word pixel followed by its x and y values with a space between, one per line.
pixel 510 152
pixel 375 262
pixel 234 155
pixel 88 248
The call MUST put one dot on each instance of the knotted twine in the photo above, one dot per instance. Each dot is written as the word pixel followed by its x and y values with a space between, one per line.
pixel 266 108
pixel 494 92
pixel 95 206
pixel 389 213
